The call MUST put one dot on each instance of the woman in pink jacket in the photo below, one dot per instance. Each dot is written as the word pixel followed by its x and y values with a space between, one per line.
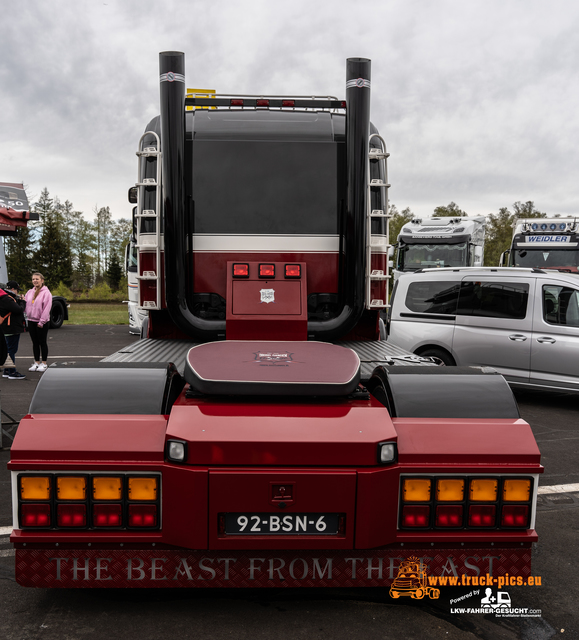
pixel 38 306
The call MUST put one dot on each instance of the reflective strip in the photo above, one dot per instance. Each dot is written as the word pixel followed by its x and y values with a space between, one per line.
pixel 172 77
pixel 266 244
pixel 358 82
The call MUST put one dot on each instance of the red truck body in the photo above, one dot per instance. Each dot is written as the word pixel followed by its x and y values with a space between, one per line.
pixel 292 447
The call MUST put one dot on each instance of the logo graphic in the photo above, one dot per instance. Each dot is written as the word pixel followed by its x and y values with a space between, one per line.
pixel 171 76
pixel 411 581
pixel 502 601
pixel 267 295
pixel 272 357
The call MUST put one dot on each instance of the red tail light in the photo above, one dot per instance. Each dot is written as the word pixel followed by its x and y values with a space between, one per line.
pixel 288 103
pixel 267 271
pixel 260 102
pixel 236 102
pixel 106 515
pixel 449 516
pixel 293 271
pixel 415 516
pixel 143 515
pixel 516 515
pixel 241 271
pixel 71 515
pixel 36 515
pixel 482 515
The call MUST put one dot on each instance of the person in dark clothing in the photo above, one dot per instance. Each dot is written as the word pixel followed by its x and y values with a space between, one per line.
pixel 13 327
pixel 11 316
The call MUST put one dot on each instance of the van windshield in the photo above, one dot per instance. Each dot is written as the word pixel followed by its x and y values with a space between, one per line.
pixel 423 256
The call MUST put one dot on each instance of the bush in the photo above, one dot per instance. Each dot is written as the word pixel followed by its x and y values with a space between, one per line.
pixel 101 292
pixel 62 290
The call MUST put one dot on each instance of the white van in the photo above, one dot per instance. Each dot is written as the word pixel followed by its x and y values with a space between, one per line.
pixel 522 322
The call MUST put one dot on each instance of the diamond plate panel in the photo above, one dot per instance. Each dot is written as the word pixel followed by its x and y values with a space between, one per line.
pixel 74 568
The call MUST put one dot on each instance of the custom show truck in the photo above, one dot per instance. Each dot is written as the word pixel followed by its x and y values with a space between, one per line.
pixel 262 435
pixel 544 243
pixel 424 243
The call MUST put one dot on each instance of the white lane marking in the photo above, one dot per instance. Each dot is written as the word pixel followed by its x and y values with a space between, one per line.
pixel 560 488
pixel 6 553
pixel 5 531
pixel 72 357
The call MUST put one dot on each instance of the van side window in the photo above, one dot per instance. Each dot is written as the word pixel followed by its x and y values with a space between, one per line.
pixel 561 305
pixel 431 296
pixel 493 299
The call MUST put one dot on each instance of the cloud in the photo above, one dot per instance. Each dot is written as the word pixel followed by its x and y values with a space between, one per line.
pixel 477 101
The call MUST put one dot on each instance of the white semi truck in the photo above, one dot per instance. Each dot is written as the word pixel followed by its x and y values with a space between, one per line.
pixel 440 242
pixel 544 243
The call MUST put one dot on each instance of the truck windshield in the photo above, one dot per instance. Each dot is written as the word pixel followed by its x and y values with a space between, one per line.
pixel 547 258
pixel 423 256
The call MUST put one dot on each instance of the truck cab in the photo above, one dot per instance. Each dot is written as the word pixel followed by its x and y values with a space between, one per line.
pixel 440 242
pixel 544 243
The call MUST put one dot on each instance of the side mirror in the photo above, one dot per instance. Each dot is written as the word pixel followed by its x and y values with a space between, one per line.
pixel 133 195
pixel 504 259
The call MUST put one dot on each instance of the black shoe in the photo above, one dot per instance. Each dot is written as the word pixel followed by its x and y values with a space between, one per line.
pixel 16 376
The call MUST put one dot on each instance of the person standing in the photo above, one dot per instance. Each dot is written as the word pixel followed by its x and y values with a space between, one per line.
pixel 13 327
pixel 8 308
pixel 38 306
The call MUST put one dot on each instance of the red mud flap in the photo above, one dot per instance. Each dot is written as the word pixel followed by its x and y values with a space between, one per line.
pixel 169 568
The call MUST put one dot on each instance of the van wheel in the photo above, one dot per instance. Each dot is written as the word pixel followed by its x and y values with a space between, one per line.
pixel 441 354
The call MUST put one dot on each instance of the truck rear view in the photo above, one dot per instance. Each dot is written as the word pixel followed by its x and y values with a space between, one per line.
pixel 293 448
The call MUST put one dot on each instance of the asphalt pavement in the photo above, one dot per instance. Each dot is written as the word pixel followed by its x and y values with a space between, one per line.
pixel 298 613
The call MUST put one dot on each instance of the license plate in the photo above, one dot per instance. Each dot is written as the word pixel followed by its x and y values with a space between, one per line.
pixel 282 524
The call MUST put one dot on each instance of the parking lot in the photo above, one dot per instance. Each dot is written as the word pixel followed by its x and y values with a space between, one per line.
pixel 302 613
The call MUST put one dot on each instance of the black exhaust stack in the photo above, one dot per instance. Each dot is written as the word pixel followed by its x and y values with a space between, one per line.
pixel 357 143
pixel 172 79
pixel 173 91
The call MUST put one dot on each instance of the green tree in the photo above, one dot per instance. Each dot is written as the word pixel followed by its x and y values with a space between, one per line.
pixel 498 235
pixel 19 248
pixel 120 232
pixel 397 220
pixel 102 226
pixel 527 210
pixel 115 271
pixel 499 229
pixel 53 257
pixel 451 210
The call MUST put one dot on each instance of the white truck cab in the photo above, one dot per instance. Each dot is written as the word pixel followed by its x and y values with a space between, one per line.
pixel 544 243
pixel 440 242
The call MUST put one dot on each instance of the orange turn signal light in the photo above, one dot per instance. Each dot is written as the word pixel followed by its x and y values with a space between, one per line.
pixel 143 488
pixel 483 489
pixel 35 487
pixel 416 490
pixel 517 490
pixel 107 488
pixel 450 490
pixel 71 488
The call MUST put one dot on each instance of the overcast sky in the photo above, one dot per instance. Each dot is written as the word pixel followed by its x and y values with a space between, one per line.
pixel 478 101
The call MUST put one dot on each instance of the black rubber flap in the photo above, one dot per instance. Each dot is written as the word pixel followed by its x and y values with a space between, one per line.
pixel 449 392
pixel 239 367
pixel 108 388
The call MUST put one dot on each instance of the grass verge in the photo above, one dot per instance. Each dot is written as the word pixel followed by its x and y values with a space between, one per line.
pixel 95 313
